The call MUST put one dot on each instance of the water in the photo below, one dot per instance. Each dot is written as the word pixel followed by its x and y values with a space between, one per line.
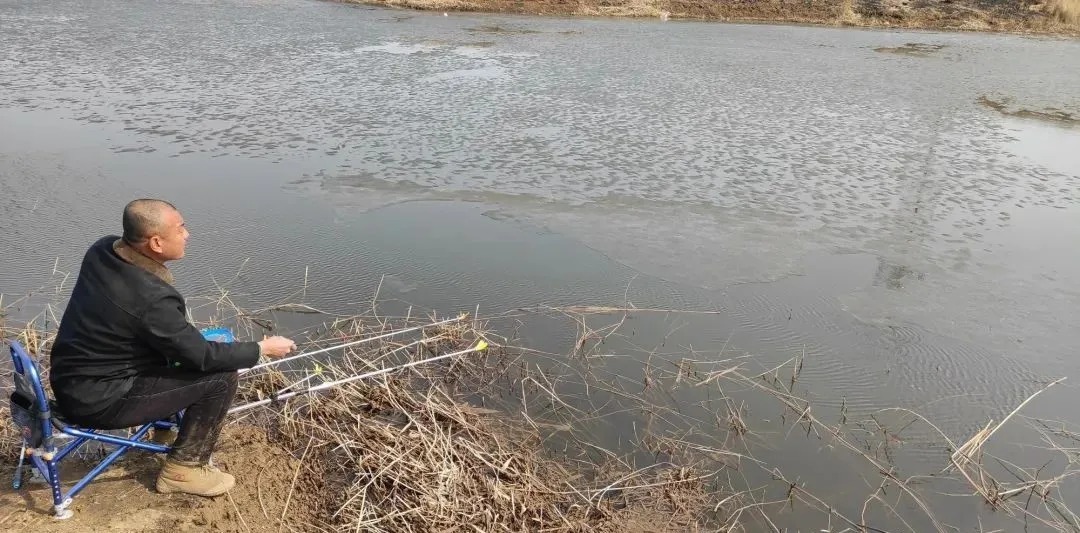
pixel 820 197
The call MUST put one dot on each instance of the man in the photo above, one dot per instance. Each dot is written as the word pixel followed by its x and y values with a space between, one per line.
pixel 125 354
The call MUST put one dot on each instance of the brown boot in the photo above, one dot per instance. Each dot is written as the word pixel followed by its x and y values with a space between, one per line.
pixel 193 478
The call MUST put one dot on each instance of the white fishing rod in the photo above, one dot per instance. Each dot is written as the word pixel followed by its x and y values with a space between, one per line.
pixel 318 370
pixel 480 346
pixel 348 344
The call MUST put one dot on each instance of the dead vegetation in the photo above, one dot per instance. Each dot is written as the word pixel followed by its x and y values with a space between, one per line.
pixel 407 452
pixel 1029 16
pixel 513 439
pixel 1031 494
pixel 1066 11
pixel 32 335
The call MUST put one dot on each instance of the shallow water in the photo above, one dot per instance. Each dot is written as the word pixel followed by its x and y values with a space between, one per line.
pixel 825 198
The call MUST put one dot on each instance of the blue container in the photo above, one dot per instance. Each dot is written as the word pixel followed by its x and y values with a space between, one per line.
pixel 218 334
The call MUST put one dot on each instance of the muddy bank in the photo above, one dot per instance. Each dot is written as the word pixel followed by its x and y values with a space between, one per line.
pixel 384 473
pixel 503 439
pixel 402 452
pixel 123 499
pixel 1052 17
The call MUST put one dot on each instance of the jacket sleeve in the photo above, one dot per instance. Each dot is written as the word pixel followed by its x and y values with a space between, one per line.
pixel 167 330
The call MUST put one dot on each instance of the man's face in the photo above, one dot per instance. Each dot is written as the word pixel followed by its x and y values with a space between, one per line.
pixel 169 244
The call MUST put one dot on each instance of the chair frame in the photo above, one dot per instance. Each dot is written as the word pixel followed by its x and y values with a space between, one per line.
pixel 46 459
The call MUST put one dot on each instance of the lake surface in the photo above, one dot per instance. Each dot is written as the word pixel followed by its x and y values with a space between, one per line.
pixel 828 193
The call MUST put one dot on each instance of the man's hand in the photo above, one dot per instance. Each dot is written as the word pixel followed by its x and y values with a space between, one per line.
pixel 275 347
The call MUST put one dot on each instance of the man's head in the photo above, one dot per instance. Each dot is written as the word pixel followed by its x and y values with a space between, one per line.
pixel 155 228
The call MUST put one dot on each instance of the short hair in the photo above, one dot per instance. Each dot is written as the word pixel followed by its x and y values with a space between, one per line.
pixel 143 217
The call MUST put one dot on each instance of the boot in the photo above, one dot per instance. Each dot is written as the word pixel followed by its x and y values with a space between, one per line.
pixel 193 478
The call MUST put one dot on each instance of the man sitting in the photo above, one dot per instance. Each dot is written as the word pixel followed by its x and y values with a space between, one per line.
pixel 125 354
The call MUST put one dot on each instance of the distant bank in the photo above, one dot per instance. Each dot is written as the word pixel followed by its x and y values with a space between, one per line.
pixel 1049 17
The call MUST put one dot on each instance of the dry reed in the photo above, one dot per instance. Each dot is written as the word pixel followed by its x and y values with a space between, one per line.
pixel 1053 17
pixel 36 337
pixel 507 439
pixel 1067 11
pixel 405 452
pixel 1029 496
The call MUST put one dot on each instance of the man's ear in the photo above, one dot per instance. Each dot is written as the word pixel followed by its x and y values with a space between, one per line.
pixel 155 244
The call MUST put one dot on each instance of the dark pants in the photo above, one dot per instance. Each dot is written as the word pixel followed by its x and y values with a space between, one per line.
pixel 206 398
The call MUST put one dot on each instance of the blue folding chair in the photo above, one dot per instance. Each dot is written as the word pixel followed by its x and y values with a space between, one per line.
pixel 39 423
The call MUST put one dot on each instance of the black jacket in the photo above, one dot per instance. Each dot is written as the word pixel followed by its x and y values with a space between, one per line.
pixel 124 321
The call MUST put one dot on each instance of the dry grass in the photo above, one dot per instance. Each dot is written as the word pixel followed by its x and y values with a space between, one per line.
pixel 1054 17
pixel 623 8
pixel 436 5
pixel 506 439
pixel 36 337
pixel 1067 11
pixel 1050 17
pixel 848 16
pixel 406 452
pixel 1029 495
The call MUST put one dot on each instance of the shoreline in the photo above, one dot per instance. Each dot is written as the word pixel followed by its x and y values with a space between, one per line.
pixel 510 436
pixel 956 18
pixel 400 452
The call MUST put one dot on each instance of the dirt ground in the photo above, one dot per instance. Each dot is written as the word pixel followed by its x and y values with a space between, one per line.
pixel 1051 17
pixel 123 499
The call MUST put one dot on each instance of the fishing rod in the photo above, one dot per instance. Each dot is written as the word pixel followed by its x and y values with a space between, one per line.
pixel 318 370
pixel 348 344
pixel 480 346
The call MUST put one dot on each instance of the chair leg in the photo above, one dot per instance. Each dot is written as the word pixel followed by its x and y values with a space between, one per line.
pixel 60 505
pixel 48 463
pixel 122 448
pixel 16 482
